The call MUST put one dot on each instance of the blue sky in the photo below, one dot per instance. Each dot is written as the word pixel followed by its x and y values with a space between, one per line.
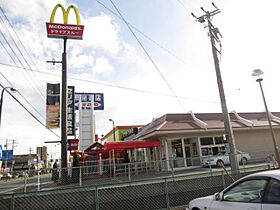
pixel 109 57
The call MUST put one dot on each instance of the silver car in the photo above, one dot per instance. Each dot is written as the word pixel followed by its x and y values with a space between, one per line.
pixel 258 191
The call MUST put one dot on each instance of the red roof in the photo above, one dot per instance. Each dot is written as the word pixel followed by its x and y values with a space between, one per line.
pixel 132 144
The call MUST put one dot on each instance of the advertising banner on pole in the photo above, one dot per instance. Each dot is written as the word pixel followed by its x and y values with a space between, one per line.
pixel 71 130
pixel 53 106
pixel 93 101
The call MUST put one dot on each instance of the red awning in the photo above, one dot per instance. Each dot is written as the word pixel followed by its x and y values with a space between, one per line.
pixel 132 144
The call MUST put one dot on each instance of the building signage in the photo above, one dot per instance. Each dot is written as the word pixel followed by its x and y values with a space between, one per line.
pixel 71 130
pixel 73 144
pixel 56 30
pixel 53 106
pixel 7 155
pixel 1 152
pixel 93 101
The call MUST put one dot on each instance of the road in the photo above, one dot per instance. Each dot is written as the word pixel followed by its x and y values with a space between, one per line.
pixel 18 184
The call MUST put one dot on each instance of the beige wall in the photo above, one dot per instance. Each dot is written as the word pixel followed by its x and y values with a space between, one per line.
pixel 258 143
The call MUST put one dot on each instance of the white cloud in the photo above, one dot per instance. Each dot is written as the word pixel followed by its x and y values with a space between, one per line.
pixel 79 62
pixel 102 33
pixel 102 66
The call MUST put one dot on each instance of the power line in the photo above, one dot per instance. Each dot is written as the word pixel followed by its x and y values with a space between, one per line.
pixel 117 86
pixel 17 47
pixel 146 36
pixel 32 115
pixel 150 58
pixel 182 4
pixel 18 37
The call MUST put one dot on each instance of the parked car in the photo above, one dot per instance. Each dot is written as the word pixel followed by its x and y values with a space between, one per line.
pixel 7 175
pixel 15 175
pixel 223 158
pixel 258 191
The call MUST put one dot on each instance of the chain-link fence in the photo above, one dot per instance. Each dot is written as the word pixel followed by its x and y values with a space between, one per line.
pixel 103 172
pixel 150 192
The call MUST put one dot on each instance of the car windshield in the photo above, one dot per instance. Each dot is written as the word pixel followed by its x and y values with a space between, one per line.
pixel 247 191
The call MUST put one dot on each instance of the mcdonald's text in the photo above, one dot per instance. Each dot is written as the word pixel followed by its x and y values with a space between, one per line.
pixel 56 30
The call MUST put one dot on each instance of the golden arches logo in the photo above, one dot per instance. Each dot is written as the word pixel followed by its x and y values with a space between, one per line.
pixel 70 31
pixel 66 13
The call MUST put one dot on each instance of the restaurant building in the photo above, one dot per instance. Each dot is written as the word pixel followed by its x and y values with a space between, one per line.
pixel 185 138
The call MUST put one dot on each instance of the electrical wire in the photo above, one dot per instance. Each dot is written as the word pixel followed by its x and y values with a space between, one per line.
pixel 32 115
pixel 11 26
pixel 22 96
pixel 17 47
pixel 146 36
pixel 115 86
pixel 43 118
pixel 150 58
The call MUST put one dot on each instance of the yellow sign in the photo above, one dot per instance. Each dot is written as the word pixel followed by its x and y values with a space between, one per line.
pixel 66 13
pixel 56 30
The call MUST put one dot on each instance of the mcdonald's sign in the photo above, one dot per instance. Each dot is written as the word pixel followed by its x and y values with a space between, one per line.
pixel 56 30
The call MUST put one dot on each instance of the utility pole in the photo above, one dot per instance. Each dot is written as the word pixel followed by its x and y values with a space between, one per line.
pixel 29 159
pixel 64 171
pixel 6 162
pixel 215 35
pixel 64 174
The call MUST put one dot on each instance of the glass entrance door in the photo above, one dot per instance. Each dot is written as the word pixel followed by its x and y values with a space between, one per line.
pixel 177 153
pixel 191 152
pixel 188 155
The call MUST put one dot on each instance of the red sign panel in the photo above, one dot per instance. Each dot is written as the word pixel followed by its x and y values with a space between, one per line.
pixel 56 30
pixel 73 144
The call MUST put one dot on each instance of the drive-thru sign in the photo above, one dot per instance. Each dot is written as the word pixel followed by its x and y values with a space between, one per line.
pixel 57 30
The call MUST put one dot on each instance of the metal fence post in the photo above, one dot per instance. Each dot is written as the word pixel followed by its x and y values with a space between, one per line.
pixel 166 194
pixel 223 179
pixel 38 175
pixel 12 207
pixel 96 198
pixel 80 176
pixel 129 175
pixel 172 167
pixel 25 181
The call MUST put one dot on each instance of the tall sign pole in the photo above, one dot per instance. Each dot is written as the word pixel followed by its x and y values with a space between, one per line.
pixel 64 31
pixel 64 113
pixel 215 35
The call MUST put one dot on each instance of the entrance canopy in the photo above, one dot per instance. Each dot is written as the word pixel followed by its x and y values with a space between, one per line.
pixel 132 144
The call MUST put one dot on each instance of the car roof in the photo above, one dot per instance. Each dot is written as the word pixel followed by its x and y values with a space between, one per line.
pixel 269 173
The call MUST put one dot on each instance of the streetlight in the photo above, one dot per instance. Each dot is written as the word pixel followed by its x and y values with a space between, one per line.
pixel 1 100
pixel 258 73
pixel 114 137
pixel 1 104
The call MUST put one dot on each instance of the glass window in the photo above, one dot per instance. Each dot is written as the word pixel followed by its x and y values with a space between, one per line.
pixel 194 149
pixel 206 151
pixel 187 141
pixel 219 140
pixel 206 141
pixel 247 192
pixel 273 192
pixel 177 148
